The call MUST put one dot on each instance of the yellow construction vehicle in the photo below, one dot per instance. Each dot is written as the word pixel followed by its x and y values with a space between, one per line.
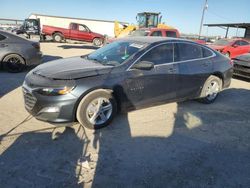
pixel 144 20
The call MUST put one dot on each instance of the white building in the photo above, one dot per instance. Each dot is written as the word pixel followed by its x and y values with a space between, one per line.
pixel 104 27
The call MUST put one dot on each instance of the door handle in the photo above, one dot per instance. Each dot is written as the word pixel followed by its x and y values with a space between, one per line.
pixel 3 45
pixel 206 64
pixel 172 70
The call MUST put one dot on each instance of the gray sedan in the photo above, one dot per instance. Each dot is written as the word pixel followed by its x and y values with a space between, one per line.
pixel 16 53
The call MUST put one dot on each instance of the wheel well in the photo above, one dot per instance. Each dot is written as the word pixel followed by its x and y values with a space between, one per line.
pixel 55 32
pixel 96 38
pixel 90 91
pixel 219 75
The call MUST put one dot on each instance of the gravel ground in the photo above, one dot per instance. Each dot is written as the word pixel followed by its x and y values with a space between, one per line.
pixel 185 144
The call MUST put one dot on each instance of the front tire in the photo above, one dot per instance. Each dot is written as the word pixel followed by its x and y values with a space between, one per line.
pixel 210 90
pixel 97 42
pixel 96 109
pixel 13 63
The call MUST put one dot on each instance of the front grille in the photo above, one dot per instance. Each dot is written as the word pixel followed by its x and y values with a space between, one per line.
pixel 29 99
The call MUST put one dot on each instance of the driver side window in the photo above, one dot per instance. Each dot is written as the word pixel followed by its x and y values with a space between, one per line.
pixel 82 28
pixel 160 55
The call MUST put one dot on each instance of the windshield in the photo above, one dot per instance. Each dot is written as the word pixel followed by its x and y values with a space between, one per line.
pixel 139 33
pixel 222 42
pixel 115 53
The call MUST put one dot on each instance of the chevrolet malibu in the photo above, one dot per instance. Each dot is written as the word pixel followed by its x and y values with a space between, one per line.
pixel 130 73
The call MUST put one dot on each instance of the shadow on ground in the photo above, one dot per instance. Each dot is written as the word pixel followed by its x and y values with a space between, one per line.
pixel 11 81
pixel 241 78
pixel 208 147
pixel 68 46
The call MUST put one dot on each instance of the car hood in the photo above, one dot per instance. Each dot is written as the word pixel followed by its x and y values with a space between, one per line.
pixel 244 57
pixel 97 34
pixel 71 68
pixel 243 60
pixel 216 47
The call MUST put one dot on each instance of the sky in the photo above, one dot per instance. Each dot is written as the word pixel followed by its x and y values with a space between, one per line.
pixel 185 15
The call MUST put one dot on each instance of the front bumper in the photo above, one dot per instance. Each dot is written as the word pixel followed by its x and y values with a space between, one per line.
pixel 242 70
pixel 53 109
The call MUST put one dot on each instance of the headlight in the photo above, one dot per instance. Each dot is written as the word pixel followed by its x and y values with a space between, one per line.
pixel 55 91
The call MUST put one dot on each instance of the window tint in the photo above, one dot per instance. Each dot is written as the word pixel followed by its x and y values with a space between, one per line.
pixel 2 37
pixel 171 34
pixel 74 27
pixel 243 43
pixel 206 52
pixel 82 28
pixel 156 33
pixel 160 54
pixel 189 51
pixel 238 43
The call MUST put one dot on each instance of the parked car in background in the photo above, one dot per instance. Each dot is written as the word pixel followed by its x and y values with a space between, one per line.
pixel 16 53
pixel 157 32
pixel 130 73
pixel 231 47
pixel 75 32
pixel 242 65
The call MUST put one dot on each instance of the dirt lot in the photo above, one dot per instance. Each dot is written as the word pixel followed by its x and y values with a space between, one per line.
pixel 184 144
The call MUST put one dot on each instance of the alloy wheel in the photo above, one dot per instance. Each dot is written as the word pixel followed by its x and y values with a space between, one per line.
pixel 99 111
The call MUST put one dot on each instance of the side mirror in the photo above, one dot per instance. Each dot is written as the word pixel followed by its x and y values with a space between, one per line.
pixel 144 65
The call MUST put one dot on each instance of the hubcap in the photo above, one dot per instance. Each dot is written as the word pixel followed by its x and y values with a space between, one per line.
pixel 14 63
pixel 97 42
pixel 99 111
pixel 212 90
pixel 58 38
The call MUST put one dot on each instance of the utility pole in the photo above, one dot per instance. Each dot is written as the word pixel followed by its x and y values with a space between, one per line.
pixel 202 17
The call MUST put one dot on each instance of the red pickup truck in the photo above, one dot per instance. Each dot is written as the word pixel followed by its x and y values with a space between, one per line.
pixel 75 32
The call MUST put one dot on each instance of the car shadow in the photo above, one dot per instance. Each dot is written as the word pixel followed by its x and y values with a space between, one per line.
pixel 241 78
pixel 79 47
pixel 206 146
pixel 11 81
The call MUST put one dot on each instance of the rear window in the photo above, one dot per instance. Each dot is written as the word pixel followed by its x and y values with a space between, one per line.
pixel 171 34
pixel 189 51
pixel 2 37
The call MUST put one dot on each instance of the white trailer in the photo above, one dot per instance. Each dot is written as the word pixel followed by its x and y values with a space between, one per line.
pixel 104 27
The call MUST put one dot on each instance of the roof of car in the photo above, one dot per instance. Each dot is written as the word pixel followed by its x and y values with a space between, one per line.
pixel 151 39
pixel 12 36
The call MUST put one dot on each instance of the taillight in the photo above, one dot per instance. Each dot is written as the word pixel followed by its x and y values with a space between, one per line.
pixel 36 45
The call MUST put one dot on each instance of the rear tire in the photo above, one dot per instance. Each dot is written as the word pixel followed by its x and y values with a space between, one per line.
pixel 58 37
pixel 13 63
pixel 210 90
pixel 97 42
pixel 96 109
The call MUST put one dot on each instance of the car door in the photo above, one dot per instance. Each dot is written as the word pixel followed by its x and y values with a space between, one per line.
pixel 194 68
pixel 74 31
pixel 237 49
pixel 84 33
pixel 245 46
pixel 156 84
